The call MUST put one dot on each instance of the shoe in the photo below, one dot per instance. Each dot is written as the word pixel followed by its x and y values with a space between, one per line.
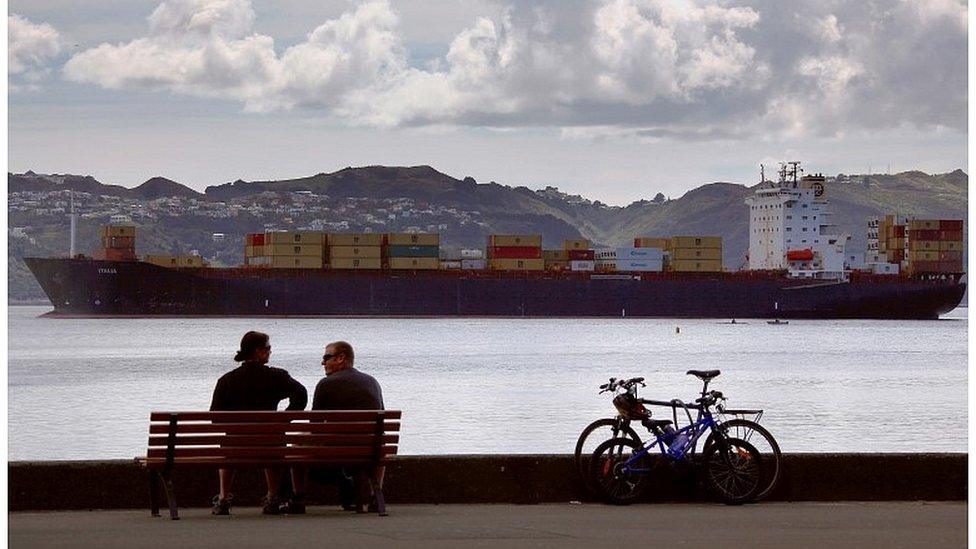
pixel 221 506
pixel 294 506
pixel 271 505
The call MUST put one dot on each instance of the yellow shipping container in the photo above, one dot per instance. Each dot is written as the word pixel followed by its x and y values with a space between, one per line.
pixel 176 260
pixel 354 263
pixel 254 251
pixel 555 255
pixel 295 237
pixel 696 253
pixel 355 239
pixel 306 250
pixel 696 242
pixel 346 252
pixel 690 265
pixel 923 255
pixel 532 240
pixel 415 263
pixel 296 262
pixel 923 224
pixel 517 264
pixel 119 230
pixel 556 265
pixel 652 242
pixel 413 239
pixel 895 243
pixel 950 245
pixel 918 245
pixel 581 244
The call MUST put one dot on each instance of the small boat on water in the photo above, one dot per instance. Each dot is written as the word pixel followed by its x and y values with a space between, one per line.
pixel 777 322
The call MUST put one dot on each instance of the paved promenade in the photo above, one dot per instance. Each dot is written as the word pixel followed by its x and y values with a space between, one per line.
pixel 832 525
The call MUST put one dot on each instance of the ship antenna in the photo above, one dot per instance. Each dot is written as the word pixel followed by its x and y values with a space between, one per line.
pixel 74 222
pixel 762 173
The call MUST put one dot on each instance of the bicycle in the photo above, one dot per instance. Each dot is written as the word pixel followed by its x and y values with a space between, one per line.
pixel 739 427
pixel 731 467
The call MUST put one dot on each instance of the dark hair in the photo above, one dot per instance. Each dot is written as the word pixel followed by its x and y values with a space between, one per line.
pixel 343 348
pixel 252 341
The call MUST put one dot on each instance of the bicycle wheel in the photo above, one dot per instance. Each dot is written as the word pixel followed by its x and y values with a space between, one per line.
pixel 732 470
pixel 613 484
pixel 763 441
pixel 591 437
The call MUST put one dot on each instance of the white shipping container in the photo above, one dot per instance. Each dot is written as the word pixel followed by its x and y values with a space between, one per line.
pixel 884 268
pixel 640 265
pixel 474 264
pixel 582 265
pixel 472 254
pixel 641 254
pixel 261 260
pixel 450 264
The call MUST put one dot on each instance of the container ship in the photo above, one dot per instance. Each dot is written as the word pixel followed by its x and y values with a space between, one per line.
pixel 797 269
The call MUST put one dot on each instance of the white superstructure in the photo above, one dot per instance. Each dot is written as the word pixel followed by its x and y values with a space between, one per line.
pixel 789 227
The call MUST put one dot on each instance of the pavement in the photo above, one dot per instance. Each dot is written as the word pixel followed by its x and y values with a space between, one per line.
pixel 832 525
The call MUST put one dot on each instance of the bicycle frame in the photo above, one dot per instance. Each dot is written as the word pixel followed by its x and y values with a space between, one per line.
pixel 703 423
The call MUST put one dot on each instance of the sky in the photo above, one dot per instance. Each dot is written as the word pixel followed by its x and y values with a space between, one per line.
pixel 616 100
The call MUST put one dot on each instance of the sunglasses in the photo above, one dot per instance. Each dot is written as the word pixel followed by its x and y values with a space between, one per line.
pixel 327 356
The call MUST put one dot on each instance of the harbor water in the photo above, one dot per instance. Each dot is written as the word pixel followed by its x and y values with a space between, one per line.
pixel 83 388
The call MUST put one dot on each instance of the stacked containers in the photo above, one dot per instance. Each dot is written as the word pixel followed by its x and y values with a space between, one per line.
pixel 935 246
pixel 472 259
pixel 651 242
pixel 254 250
pixel 891 240
pixel 579 254
pixel 118 243
pixel 414 251
pixel 695 254
pixel 176 260
pixel 556 260
pixel 294 250
pixel 639 259
pixel 515 252
pixel 355 251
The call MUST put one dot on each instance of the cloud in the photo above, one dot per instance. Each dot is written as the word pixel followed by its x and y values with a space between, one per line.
pixel 652 69
pixel 30 47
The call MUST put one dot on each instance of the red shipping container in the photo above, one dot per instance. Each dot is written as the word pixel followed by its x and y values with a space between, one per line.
pixel 515 252
pixel 950 266
pixel 258 239
pixel 950 256
pixel 896 255
pixel 950 235
pixel 923 234
pixel 925 266
pixel 951 225
pixel 898 231
pixel 582 255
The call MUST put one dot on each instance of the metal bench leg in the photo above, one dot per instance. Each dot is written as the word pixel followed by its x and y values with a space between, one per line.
pixel 378 494
pixel 170 495
pixel 154 480
pixel 362 492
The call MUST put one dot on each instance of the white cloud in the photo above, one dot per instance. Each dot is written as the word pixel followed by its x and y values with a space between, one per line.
pixel 693 69
pixel 30 47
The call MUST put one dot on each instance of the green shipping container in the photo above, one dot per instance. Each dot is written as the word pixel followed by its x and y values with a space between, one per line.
pixel 413 251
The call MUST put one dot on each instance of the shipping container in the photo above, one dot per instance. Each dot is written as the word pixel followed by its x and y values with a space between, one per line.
pixel 950 235
pixel 258 239
pixel 579 244
pixel 557 265
pixel 412 251
pixel 307 250
pixel 514 252
pixel 473 264
pixel 923 255
pixel 951 266
pixel 296 262
pixel 951 225
pixel 950 256
pixel 895 256
pixel 923 224
pixel 884 268
pixel 354 263
pixel 896 243
pixel 348 252
pixel 923 234
pixel 413 239
pixel 506 264
pixel 582 255
pixel 119 242
pixel 696 242
pixel 253 251
pixel 924 267
pixel 696 253
pixel 519 240
pixel 115 254
pixel 582 265
pixel 451 264
pixel 895 231
pixel 426 263
pixel 472 254
pixel 950 245
pixel 648 265
pixel 355 239
pixel 656 253
pixel 691 265
pixel 652 242
pixel 258 261
pixel 314 238
pixel 176 260
pixel 119 230
pixel 917 245
pixel 555 255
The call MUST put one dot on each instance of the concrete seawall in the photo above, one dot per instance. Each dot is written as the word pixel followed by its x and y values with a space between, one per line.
pixel 123 484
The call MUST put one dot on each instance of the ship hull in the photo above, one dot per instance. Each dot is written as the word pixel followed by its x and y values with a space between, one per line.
pixel 84 287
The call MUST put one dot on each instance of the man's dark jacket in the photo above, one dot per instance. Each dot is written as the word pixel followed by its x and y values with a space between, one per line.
pixel 254 386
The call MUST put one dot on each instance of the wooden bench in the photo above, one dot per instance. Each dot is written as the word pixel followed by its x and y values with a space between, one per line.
pixel 360 439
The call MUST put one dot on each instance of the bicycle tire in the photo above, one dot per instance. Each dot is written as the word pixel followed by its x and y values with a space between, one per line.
pixel 772 463
pixel 580 460
pixel 732 476
pixel 613 486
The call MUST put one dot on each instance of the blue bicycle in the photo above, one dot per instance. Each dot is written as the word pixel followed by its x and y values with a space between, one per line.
pixel 731 468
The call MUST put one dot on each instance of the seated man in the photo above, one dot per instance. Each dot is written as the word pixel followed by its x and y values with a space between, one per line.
pixel 343 388
pixel 254 386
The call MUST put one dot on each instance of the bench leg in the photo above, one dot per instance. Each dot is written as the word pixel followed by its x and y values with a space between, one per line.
pixel 378 494
pixel 154 480
pixel 362 492
pixel 170 495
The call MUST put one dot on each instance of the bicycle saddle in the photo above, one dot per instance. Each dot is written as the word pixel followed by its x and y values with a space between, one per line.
pixel 704 375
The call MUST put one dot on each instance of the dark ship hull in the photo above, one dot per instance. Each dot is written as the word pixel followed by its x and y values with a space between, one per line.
pixel 85 287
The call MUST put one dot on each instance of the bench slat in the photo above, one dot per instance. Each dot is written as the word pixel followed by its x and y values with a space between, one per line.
pixel 272 428
pixel 272 452
pixel 256 440
pixel 335 415
pixel 213 463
